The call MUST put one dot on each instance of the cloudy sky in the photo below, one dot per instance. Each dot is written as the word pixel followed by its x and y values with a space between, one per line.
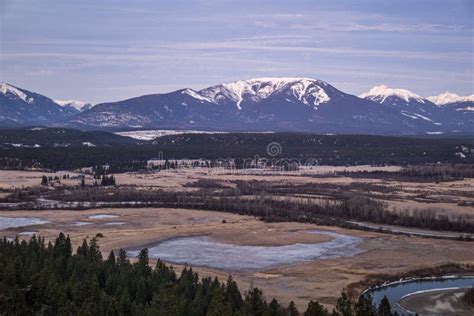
pixel 111 50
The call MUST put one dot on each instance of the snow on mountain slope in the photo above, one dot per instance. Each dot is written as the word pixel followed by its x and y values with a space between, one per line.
pixel 12 91
pixel 261 104
pixel 308 91
pixel 381 93
pixel 22 107
pixel 196 95
pixel 409 104
pixel 448 97
pixel 78 105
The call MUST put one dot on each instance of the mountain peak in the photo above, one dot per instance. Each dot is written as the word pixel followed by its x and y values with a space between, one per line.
pixel 8 89
pixel 309 91
pixel 381 93
pixel 449 97
pixel 78 105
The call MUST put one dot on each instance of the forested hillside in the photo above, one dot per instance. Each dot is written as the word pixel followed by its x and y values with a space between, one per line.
pixel 48 279
pixel 58 137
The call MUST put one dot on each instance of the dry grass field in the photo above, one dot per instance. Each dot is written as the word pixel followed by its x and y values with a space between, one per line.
pixel 321 280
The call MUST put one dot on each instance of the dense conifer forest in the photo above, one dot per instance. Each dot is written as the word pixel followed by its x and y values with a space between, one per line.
pixel 75 149
pixel 39 278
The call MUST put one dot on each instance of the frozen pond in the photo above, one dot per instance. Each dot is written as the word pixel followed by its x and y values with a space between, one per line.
pixel 14 222
pixel 79 223
pixel 102 216
pixel 115 223
pixel 28 234
pixel 203 251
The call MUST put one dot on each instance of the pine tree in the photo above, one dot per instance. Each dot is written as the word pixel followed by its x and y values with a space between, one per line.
pixel 143 257
pixel 141 296
pixel 219 306
pixel 122 258
pixel 365 307
pixel 232 294
pixel 83 250
pixel 292 310
pixel 254 303
pixel 384 307
pixel 125 303
pixel 94 252
pixel 111 259
pixel 44 180
pixel 275 309
pixel 315 309
pixel 166 302
pixel 343 306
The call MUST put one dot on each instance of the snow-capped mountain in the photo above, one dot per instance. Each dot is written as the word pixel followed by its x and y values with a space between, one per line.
pixel 448 97
pixel 22 107
pixel 262 104
pixel 279 104
pixel 385 95
pixel 74 104
pixel 409 104
pixel 309 91
pixel 459 109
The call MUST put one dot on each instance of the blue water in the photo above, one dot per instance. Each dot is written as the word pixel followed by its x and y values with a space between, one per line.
pixel 203 251
pixel 395 292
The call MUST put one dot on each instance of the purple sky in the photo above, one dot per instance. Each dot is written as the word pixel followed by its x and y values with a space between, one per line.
pixel 99 51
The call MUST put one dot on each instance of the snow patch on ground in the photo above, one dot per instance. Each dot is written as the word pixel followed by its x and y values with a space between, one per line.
pixel 102 216
pixel 469 108
pixel 14 222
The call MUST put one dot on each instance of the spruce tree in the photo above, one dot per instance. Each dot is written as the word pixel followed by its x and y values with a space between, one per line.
pixel 232 294
pixel 292 310
pixel 143 257
pixel 343 306
pixel 254 303
pixel 125 303
pixel 365 306
pixel 315 309
pixel 275 309
pixel 384 307
pixel 219 306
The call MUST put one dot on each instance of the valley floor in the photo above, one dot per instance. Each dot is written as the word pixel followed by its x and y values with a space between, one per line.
pixel 321 280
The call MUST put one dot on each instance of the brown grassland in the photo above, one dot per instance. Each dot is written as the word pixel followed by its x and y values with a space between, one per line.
pixel 320 280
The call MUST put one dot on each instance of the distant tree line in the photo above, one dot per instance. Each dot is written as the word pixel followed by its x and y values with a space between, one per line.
pixel 49 279
pixel 339 150
pixel 440 172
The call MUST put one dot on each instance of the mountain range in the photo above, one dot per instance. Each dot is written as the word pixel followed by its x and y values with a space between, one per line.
pixel 262 104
